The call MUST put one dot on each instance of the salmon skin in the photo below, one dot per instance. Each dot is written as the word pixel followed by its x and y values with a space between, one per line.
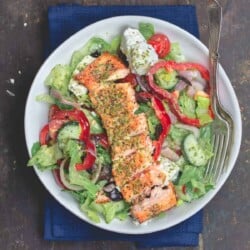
pixel 141 181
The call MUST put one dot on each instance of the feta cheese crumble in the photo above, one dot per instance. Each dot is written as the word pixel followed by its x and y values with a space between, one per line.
pixel 140 55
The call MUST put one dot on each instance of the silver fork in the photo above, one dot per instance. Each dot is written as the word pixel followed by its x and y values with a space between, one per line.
pixel 222 127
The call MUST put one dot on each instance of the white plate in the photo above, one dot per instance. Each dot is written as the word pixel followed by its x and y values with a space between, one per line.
pixel 36 114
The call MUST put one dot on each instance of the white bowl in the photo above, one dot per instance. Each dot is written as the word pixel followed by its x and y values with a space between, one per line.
pixel 36 115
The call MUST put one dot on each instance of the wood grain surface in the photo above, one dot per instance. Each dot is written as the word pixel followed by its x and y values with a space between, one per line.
pixel 23 31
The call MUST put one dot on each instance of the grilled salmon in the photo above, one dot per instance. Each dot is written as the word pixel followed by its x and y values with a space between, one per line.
pixel 112 98
pixel 130 144
pixel 125 168
pixel 161 199
pixel 116 104
pixel 140 187
pixel 139 178
pixel 106 67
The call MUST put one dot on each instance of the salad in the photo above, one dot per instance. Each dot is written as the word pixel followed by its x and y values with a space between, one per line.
pixel 129 126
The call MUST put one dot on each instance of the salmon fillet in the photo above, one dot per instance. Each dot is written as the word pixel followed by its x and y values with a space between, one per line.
pixel 112 98
pixel 140 180
pixel 140 187
pixel 161 199
pixel 125 168
pixel 106 67
pixel 116 104
pixel 127 146
pixel 124 128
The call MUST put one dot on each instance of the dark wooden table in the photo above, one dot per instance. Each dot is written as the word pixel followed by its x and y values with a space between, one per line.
pixel 23 31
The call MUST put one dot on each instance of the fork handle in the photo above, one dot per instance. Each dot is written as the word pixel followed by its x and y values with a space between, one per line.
pixel 214 11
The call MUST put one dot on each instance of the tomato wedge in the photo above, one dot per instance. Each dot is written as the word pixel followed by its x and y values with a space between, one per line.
pixel 54 126
pixel 130 78
pixel 160 43
pixel 53 110
pixel 44 135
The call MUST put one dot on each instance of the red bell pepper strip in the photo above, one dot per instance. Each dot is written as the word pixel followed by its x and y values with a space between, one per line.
pixel 170 97
pixel 89 158
pixel 44 133
pixel 79 116
pixel 165 121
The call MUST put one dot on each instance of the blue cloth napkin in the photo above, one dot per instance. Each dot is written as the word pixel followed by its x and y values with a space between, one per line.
pixel 63 21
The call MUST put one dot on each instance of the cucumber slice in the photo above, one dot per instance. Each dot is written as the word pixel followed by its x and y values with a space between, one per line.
pixel 70 130
pixel 166 80
pixel 193 152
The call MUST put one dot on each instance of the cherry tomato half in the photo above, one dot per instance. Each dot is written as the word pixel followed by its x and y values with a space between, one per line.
pixel 54 126
pixel 53 110
pixel 160 43
pixel 130 78
pixel 44 135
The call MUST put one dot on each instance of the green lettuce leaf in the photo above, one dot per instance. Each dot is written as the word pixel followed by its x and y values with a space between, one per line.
pixel 205 140
pixel 45 157
pixel 146 29
pixel 192 184
pixel 93 45
pixel 175 53
pixel 187 105
pixel 115 44
pixel 103 156
pixel 45 98
pixel 178 134
pixel 59 78
pixel 152 120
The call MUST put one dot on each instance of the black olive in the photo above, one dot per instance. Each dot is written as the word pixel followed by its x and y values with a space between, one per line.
pixel 109 187
pixel 115 195
pixel 96 53
pixel 123 57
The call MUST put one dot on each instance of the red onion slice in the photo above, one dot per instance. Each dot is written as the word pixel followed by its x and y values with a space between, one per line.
pixel 181 85
pixel 97 173
pixel 193 129
pixel 141 80
pixel 170 154
pixel 199 86
pixel 64 179
pixel 63 100
pixel 189 74
pixel 191 91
